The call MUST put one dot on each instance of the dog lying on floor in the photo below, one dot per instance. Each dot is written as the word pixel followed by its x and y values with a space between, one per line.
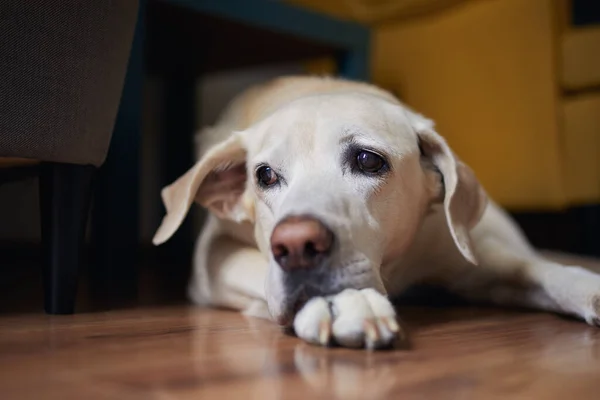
pixel 327 197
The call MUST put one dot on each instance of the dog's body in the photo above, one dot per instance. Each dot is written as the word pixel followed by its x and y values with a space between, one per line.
pixel 409 212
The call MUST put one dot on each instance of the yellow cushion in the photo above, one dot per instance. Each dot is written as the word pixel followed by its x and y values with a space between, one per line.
pixel 581 58
pixel 485 72
pixel 581 123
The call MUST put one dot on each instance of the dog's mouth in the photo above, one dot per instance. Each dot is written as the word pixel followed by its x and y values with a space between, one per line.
pixel 300 303
pixel 297 301
pixel 294 303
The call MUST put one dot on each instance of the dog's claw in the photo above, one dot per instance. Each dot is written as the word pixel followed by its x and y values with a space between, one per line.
pixel 324 332
pixel 391 324
pixel 371 334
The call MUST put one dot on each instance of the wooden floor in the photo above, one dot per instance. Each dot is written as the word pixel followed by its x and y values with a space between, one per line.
pixel 182 352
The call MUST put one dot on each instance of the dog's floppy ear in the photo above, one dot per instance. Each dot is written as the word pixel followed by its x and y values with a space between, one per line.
pixel 463 198
pixel 217 182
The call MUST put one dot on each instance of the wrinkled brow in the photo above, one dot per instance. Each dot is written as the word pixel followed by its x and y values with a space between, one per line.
pixel 355 135
pixel 351 134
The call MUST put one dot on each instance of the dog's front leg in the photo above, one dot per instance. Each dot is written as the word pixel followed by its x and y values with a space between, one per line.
pixel 228 273
pixel 352 318
pixel 508 276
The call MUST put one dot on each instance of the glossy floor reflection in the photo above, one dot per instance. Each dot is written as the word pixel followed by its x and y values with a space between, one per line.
pixel 184 352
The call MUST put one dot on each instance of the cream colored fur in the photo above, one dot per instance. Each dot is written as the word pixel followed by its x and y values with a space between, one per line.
pixel 426 219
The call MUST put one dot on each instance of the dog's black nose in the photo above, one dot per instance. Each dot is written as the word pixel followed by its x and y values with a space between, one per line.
pixel 300 242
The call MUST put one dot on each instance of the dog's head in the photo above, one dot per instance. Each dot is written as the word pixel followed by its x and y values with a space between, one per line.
pixel 335 185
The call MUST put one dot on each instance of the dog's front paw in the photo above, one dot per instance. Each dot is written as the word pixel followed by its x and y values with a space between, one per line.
pixel 352 318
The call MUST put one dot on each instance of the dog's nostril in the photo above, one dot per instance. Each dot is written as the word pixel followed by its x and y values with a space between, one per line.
pixel 280 251
pixel 310 249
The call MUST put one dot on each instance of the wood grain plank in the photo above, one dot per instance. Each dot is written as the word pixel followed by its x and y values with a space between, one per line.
pixel 185 352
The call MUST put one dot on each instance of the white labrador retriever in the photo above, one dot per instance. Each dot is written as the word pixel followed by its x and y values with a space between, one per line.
pixel 327 196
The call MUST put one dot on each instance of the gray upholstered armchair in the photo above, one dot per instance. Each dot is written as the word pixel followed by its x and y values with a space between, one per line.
pixel 62 68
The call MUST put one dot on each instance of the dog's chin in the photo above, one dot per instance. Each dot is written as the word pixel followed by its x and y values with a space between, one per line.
pixel 288 310
pixel 285 311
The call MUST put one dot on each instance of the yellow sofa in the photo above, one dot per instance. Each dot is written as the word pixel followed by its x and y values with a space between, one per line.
pixel 500 77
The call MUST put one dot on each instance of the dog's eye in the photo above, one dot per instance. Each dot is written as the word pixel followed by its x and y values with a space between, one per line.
pixel 370 162
pixel 266 176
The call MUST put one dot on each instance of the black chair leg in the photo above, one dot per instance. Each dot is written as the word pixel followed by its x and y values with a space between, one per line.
pixel 65 192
